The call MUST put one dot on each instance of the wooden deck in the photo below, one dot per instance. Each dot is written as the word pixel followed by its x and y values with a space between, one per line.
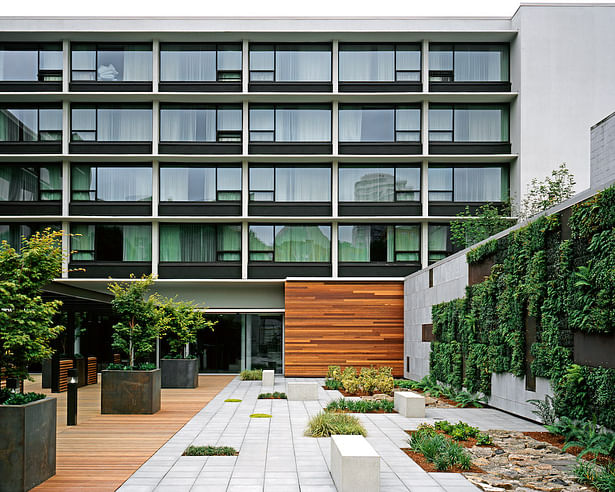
pixel 102 451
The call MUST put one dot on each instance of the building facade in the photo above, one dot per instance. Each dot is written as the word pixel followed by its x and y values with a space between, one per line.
pixel 285 173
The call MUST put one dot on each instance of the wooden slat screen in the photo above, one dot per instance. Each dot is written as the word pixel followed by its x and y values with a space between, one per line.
pixel 343 323
pixel 65 365
pixel 117 359
pixel 91 371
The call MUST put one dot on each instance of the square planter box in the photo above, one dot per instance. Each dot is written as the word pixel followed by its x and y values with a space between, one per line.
pixel 130 392
pixel 28 450
pixel 179 373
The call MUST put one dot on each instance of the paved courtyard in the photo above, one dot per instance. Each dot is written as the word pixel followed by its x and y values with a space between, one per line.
pixel 275 456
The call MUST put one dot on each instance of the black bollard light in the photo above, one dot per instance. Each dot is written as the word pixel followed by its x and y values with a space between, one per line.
pixel 71 400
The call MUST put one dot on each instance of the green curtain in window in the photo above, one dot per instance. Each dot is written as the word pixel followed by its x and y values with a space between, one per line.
pixel 82 241
pixel 190 243
pixel 82 179
pixel 229 242
pixel 137 243
pixel 437 237
pixel 407 242
pixel 51 183
pixel 390 244
pixel 170 242
pixel 302 244
pixel 354 243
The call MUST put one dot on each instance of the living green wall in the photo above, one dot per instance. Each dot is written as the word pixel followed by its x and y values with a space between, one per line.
pixel 538 278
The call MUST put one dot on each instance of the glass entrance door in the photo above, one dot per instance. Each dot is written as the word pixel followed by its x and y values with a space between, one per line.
pixel 240 341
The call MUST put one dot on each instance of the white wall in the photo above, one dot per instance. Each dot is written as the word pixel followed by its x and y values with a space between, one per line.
pixel 564 73
pixel 603 152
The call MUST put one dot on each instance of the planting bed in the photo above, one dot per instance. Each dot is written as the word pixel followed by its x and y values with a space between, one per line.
pixel 559 442
pixel 420 460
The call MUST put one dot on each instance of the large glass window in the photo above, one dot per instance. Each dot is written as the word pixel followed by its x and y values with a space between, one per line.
pixel 111 242
pixel 200 62
pixel 281 123
pixel 200 243
pixel 468 63
pixel 91 182
pixel 439 242
pixel 125 123
pixel 468 123
pixel 30 63
pixel 112 63
pixel 379 62
pixel 290 243
pixel 368 183
pixel 15 233
pixel 30 124
pixel 379 243
pixel 194 123
pixel 199 183
pixel 379 124
pixel 290 184
pixel 30 184
pixel 468 184
pixel 290 63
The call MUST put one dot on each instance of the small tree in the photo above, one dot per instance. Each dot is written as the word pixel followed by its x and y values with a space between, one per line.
pixel 137 331
pixel 180 322
pixel 542 195
pixel 473 228
pixel 26 320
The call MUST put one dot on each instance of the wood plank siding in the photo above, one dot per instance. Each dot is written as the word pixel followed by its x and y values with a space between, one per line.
pixel 343 323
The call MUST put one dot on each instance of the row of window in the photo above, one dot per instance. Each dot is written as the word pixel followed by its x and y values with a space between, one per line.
pixel 267 183
pixel 279 243
pixel 267 123
pixel 271 63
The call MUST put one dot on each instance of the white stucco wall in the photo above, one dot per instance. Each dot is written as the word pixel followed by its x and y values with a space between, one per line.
pixel 563 68
pixel 603 151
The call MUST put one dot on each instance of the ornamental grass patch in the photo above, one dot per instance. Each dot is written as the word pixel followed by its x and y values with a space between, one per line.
pixel 326 424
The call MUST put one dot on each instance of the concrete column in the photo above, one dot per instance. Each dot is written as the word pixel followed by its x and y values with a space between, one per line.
pixel 155 65
pixel 335 65
pixel 245 191
pixel 65 65
pixel 335 189
pixel 424 243
pixel 155 247
pixel 65 126
pixel 425 188
pixel 245 133
pixel 155 187
pixel 155 126
pixel 334 253
pixel 66 192
pixel 245 65
pixel 425 127
pixel 334 127
pixel 65 248
pixel 425 65
pixel 244 249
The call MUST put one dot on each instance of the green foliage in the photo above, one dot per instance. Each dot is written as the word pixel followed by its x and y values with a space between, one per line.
pixel 141 366
pixel 406 384
pixel 210 451
pixel 483 439
pixel 251 375
pixel 23 398
pixel 370 380
pixel 334 373
pixel 544 410
pixel 438 449
pixel 180 322
pixel 333 384
pixel 27 325
pixel 326 424
pixel 587 435
pixel 272 396
pixel 260 416
pixel 139 316
pixel 460 431
pixel 360 406
pixel 600 477
pixel 542 195
pixel 472 228
pixel 481 252
pixel 232 400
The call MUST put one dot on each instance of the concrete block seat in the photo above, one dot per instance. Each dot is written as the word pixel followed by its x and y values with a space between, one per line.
pixel 268 377
pixel 409 404
pixel 355 464
pixel 301 391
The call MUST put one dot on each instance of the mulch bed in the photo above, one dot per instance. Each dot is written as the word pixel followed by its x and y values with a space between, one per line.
pixel 371 411
pixel 559 442
pixel 420 460
pixel 468 443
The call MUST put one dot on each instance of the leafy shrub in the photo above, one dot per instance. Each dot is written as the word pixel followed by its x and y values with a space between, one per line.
pixel 232 400
pixel 465 399
pixel 23 398
pixel 483 439
pixel 326 424
pixel 370 380
pixel 459 431
pixel 180 356
pixel 272 396
pixel 360 406
pixel 210 451
pixel 334 373
pixel 143 366
pixel 251 375
pixel 260 416
pixel 333 384
pixel 406 384
pixel 600 477
pixel 439 449
pixel 544 410
pixel 587 435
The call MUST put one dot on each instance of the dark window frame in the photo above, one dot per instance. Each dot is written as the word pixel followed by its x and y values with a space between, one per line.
pixel 395 251
pixel 93 251
pixel 445 73
pixel 275 107
pixel 168 165
pixel 272 251
pixel 218 71
pixel 275 62
pixel 395 191
pixel 122 165
pixel 394 108
pixel 219 133
pixel 395 49
pixel 274 186
pixel 101 47
pixel 219 253
pixel 38 107
pixel 452 167
pixel 446 253
pixel 96 108
pixel 38 47
pixel 453 107
pixel 38 167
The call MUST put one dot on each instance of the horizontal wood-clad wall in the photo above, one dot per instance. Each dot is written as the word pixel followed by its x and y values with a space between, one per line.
pixel 343 323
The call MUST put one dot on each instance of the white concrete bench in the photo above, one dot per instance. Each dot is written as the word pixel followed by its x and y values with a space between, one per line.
pixel 409 404
pixel 355 465
pixel 299 391
pixel 268 377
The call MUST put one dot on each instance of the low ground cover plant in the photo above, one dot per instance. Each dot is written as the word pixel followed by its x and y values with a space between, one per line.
pixel 588 436
pixel 462 431
pixel 9 398
pixel 143 366
pixel 368 380
pixel 326 424
pixel 359 406
pixel 600 477
pixel 333 384
pixel 430 386
pixel 438 449
pixel 260 416
pixel 210 451
pixel 251 375
pixel 232 400
pixel 272 396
